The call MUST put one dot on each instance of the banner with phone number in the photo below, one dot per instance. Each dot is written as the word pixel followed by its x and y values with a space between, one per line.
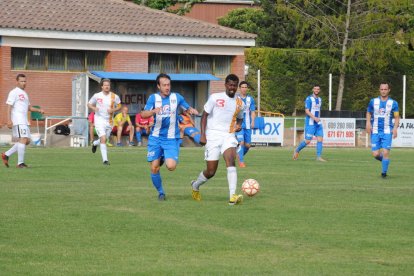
pixel 337 132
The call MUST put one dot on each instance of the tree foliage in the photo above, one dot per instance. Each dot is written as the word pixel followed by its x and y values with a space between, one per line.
pixel 180 7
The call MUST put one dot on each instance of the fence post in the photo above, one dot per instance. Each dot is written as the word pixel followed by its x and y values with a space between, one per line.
pixel 294 133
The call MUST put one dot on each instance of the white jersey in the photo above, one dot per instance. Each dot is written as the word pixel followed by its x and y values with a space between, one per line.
pixel 103 103
pixel 19 101
pixel 223 112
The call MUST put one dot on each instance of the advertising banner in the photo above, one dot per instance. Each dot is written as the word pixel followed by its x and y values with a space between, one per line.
pixel 405 134
pixel 337 132
pixel 271 134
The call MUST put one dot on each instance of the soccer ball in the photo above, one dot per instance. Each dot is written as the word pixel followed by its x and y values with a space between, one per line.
pixel 250 187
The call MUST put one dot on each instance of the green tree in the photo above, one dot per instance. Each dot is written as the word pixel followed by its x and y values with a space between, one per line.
pixel 180 7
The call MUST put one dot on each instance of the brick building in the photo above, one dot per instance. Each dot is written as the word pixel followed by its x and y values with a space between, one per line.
pixel 52 41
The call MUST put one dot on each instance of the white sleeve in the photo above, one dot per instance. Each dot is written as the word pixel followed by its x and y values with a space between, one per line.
pixel 209 106
pixel 117 100
pixel 93 99
pixel 11 99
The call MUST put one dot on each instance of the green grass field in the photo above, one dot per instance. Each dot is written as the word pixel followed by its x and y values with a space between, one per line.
pixel 69 214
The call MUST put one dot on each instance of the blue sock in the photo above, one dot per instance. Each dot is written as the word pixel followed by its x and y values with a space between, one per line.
pixel 246 149
pixel 379 157
pixel 385 163
pixel 241 153
pixel 319 149
pixel 157 182
pixel 301 146
pixel 138 136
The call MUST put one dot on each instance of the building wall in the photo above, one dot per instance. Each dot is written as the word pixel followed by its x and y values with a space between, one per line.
pixel 124 61
pixel 237 68
pixel 211 12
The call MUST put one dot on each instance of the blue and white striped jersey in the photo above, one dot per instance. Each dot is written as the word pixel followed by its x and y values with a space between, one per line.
pixel 314 105
pixel 250 106
pixel 166 121
pixel 382 113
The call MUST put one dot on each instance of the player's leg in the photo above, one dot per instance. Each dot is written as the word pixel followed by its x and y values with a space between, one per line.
pixel 24 139
pixel 319 143
pixel 103 145
pixel 309 132
pixel 240 148
pixel 91 132
pixel 247 140
pixel 119 130
pixel 130 130
pixel 153 157
pixel 386 148
pixel 171 150
pixel 138 135
pixel 376 146
pixel 211 156
pixel 5 155
pixel 229 152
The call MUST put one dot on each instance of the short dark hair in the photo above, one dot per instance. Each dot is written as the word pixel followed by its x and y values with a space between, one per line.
pixel 244 82
pixel 105 80
pixel 232 77
pixel 316 85
pixel 162 75
pixel 20 76
pixel 387 83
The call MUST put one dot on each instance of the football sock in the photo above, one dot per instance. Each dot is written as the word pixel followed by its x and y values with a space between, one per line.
pixel 379 157
pixel 12 150
pixel 157 182
pixel 246 149
pixel 201 179
pixel 385 163
pixel 241 153
pixel 232 179
pixel 96 142
pixel 138 136
pixel 20 153
pixel 197 138
pixel 319 149
pixel 104 152
pixel 301 146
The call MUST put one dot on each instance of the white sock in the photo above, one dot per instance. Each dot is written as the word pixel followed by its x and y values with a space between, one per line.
pixel 104 152
pixel 201 179
pixel 12 150
pixel 20 153
pixel 232 179
pixel 96 142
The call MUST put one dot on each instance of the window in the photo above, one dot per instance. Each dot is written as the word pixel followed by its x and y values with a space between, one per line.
pixel 57 60
pixel 201 64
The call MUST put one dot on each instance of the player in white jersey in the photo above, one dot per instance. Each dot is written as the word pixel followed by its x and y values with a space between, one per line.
pixel 104 104
pixel 221 119
pixel 18 105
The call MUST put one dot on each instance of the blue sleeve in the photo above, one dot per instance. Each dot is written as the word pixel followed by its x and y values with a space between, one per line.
pixel 150 103
pixel 308 103
pixel 370 108
pixel 394 107
pixel 180 118
pixel 252 105
pixel 182 102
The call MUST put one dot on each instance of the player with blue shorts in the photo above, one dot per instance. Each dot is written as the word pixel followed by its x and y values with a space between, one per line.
pixel 244 136
pixel 380 114
pixel 164 140
pixel 313 124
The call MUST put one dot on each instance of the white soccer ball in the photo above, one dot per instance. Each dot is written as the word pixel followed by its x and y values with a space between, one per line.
pixel 250 187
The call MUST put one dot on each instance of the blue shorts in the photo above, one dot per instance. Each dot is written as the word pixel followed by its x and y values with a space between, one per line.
pixel 244 135
pixel 381 141
pixel 157 147
pixel 315 130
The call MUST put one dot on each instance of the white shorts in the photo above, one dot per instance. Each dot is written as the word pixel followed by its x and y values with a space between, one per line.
pixel 218 144
pixel 21 131
pixel 103 128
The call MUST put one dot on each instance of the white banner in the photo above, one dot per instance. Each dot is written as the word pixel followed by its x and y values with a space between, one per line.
pixel 337 132
pixel 405 134
pixel 271 134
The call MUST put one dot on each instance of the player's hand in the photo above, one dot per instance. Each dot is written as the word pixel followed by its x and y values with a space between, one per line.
pixel 317 119
pixel 192 111
pixel 156 110
pixel 394 133
pixel 237 128
pixel 203 140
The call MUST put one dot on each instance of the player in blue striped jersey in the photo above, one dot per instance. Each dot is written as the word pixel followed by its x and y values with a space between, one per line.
pixel 313 124
pixel 164 140
pixel 244 136
pixel 380 114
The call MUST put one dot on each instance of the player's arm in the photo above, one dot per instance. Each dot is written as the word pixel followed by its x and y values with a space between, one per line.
pixel 149 110
pixel 31 108
pixel 203 125
pixel 396 124
pixel 92 104
pixel 9 121
pixel 368 125
pixel 253 118
pixel 316 119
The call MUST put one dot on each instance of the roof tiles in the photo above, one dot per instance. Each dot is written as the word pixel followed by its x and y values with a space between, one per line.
pixel 106 17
